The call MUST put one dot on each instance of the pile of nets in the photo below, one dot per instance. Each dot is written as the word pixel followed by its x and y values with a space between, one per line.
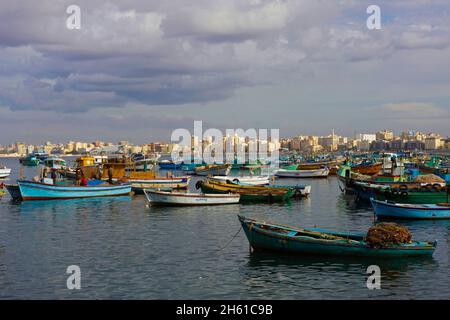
pixel 428 178
pixel 386 233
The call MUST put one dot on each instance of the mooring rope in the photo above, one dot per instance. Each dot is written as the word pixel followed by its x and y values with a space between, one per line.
pixel 240 228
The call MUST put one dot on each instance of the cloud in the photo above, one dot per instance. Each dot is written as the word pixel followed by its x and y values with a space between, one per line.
pixel 412 110
pixel 166 54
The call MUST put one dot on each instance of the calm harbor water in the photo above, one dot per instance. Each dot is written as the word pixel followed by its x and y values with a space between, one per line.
pixel 129 251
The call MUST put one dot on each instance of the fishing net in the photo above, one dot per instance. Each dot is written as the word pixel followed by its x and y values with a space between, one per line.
pixel 385 234
pixel 428 178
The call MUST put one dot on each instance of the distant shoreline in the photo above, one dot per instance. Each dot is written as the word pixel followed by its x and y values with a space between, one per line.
pixel 19 156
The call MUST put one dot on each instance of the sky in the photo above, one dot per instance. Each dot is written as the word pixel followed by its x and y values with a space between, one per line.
pixel 137 70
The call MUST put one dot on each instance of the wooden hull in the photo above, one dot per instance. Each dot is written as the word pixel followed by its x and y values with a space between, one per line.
pixel 250 193
pixel 30 190
pixel 219 170
pixel 408 211
pixel 369 170
pixel 315 173
pixel 265 236
pixel 139 185
pixel 189 199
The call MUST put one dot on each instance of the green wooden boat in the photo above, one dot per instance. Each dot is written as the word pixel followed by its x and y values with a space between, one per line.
pixel 313 241
pixel 248 193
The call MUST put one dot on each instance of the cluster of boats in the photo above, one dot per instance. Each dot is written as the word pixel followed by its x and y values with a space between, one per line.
pixel 419 191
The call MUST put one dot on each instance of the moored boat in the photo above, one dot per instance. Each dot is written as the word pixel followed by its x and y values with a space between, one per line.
pixel 313 241
pixel 213 170
pixel 312 173
pixel 4 172
pixel 139 185
pixel 247 192
pixel 390 209
pixel 250 180
pixel 30 190
pixel 156 197
pixel 30 160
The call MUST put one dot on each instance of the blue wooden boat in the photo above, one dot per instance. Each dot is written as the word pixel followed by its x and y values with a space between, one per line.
pixel 410 211
pixel 169 165
pixel 313 241
pixel 30 190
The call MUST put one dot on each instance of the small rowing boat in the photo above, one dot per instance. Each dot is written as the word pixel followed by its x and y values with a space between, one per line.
pixel 313 173
pixel 156 197
pixel 313 241
pixel 390 209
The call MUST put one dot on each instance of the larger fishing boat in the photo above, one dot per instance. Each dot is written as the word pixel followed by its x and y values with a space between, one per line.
pixel 312 241
pixel 140 180
pixel 31 190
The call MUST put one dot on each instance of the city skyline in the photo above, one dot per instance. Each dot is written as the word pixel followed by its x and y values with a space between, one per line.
pixel 138 71
pixel 375 141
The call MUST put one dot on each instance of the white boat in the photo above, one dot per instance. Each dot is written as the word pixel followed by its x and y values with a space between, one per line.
pixel 314 173
pixel 189 199
pixel 4 172
pixel 252 180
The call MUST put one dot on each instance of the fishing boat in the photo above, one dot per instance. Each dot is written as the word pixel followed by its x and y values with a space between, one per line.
pixel 141 163
pixel 30 161
pixel 411 211
pixel 31 190
pixel 41 155
pixel 166 163
pixel 414 193
pixel 55 163
pixel 189 168
pixel 249 180
pixel 141 180
pixel 331 165
pixel 367 168
pixel 140 184
pixel 248 193
pixel 313 173
pixel 313 241
pixel 4 172
pixel 155 197
pixel 213 170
